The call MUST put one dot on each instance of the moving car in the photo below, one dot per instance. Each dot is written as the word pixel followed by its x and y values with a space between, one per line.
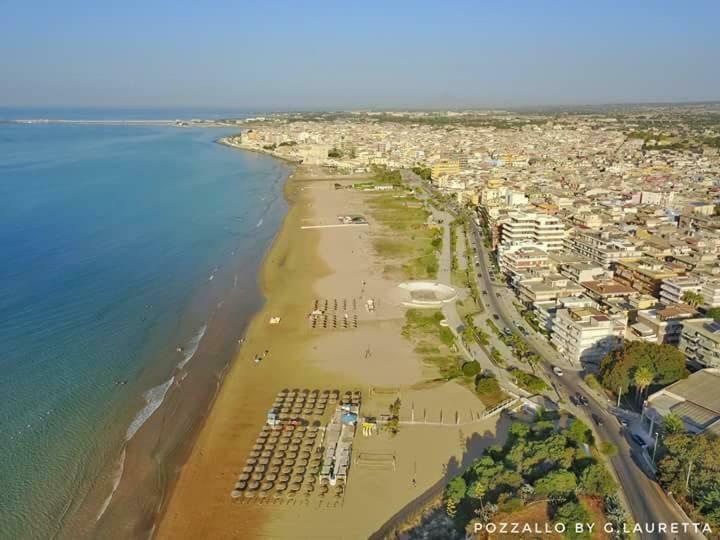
pixel 598 421
pixel 523 331
pixel 507 331
pixel 496 316
pixel 623 422
pixel 638 440
pixel 557 371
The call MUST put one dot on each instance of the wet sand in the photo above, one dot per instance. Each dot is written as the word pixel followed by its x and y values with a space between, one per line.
pixel 304 265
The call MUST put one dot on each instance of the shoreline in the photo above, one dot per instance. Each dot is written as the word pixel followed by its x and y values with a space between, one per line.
pixel 155 474
pixel 263 289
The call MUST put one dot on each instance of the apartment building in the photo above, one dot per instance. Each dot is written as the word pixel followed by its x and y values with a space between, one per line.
pixel 445 167
pixel 518 259
pixel 603 247
pixel 673 289
pixel 700 342
pixel 662 326
pixel 585 335
pixel 645 274
pixel 710 291
pixel 547 288
pixel 527 228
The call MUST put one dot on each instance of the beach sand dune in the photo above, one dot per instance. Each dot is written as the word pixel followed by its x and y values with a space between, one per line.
pixel 305 266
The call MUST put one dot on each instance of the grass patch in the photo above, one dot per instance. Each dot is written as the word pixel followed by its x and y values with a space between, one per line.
pixel 488 390
pixel 432 341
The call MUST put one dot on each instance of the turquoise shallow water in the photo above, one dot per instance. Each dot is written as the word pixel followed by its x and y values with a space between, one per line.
pixel 111 239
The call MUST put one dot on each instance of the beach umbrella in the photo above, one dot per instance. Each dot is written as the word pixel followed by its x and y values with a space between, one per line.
pixel 294 447
pixel 251 461
pixel 323 490
pixel 282 447
pixel 257 447
pixel 314 470
pixel 307 411
pixel 252 486
pixel 244 477
pixel 281 487
pixel 248 469
pixel 279 453
pixel 236 493
pixel 266 486
pixel 297 478
pixel 302 463
pixel 257 475
pixel 254 454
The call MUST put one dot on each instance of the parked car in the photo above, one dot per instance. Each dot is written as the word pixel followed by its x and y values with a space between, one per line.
pixel 598 421
pixel 497 294
pixel 623 422
pixel 485 293
pixel 507 331
pixel 557 371
pixel 496 316
pixel 637 439
pixel 524 332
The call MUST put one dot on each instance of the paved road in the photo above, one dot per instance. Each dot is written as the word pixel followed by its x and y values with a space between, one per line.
pixel 646 500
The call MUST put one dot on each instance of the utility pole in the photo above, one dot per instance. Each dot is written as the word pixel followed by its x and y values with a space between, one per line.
pixel 619 396
pixel 687 480
pixel 657 433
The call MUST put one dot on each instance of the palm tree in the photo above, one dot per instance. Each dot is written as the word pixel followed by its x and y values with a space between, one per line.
pixel 693 298
pixel 643 378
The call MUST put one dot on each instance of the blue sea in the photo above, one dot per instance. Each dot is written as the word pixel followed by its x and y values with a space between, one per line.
pixel 129 270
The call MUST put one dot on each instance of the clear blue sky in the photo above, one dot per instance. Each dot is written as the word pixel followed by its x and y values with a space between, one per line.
pixel 392 53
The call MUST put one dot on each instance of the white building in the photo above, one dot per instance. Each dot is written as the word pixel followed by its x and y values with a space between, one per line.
pixel 710 291
pixel 672 289
pixel 700 342
pixel 585 335
pixel 540 230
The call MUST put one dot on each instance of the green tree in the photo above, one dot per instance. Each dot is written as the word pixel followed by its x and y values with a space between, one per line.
pixel 618 368
pixel 642 380
pixel 672 424
pixel 454 493
pixel 713 313
pixel 579 432
pixel 556 483
pixel 596 480
pixel 693 298
pixel 571 513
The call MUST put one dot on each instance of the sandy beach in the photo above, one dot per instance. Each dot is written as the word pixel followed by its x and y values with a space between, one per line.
pixel 305 265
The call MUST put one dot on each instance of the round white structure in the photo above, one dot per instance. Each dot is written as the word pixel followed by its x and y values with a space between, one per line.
pixel 426 294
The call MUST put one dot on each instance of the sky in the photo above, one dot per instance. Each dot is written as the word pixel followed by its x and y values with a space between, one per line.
pixel 305 54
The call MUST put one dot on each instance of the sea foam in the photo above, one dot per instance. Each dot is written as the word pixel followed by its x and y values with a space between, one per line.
pixel 192 347
pixel 153 399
